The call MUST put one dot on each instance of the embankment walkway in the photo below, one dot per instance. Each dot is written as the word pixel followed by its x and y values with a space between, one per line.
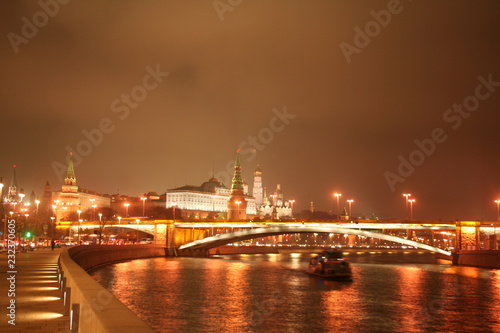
pixel 38 301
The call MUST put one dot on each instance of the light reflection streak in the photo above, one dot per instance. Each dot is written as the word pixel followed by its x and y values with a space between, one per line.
pixel 233 303
pixel 411 298
pixel 341 306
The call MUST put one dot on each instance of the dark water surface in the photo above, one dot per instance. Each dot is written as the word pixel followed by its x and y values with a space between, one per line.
pixel 390 292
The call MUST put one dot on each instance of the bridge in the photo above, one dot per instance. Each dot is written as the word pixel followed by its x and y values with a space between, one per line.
pixel 215 241
pixel 199 237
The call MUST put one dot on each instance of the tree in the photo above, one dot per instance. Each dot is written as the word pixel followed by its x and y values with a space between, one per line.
pixel 106 215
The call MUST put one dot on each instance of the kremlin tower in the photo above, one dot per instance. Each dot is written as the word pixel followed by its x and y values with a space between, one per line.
pixel 257 187
pixel 237 205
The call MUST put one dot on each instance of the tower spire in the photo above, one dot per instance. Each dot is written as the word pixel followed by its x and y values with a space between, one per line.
pixel 237 183
pixel 237 205
pixel 13 195
pixel 13 181
pixel 70 175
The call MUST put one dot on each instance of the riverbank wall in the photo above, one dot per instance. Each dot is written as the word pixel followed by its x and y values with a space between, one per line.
pixel 479 258
pixel 91 307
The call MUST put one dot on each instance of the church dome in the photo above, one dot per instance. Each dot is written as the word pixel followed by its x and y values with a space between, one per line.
pixel 211 185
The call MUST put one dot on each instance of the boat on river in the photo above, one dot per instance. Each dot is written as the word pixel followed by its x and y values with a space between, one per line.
pixel 329 264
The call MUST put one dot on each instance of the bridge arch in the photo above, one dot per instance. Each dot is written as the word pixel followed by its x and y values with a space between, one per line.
pixel 215 241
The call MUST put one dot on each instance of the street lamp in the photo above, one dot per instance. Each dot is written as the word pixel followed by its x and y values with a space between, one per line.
pixel 37 203
pixel 93 208
pixel 1 196
pixel 119 219
pixel 291 204
pixel 406 195
pixel 337 195
pixel 143 205
pixel 100 217
pixel 411 201
pixel 22 195
pixel 137 237
pixel 350 201
pixel 93 211
pixel 495 228
pixel 53 226
pixel 126 208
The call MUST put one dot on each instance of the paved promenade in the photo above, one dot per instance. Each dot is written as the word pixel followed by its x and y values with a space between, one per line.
pixel 38 302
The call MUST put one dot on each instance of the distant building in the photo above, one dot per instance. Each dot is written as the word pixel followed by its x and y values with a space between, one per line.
pixel 212 199
pixel 72 198
pixel 13 196
pixel 273 206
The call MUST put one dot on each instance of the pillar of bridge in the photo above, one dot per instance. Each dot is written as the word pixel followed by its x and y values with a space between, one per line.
pixel 432 237
pixel 164 235
pixel 467 235
pixel 409 233
pixel 351 240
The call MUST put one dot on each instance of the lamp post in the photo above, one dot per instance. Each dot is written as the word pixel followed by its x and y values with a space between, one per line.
pixel 93 208
pixel 406 195
pixel 79 227
pixel 143 206
pixel 54 209
pixel 411 201
pixel 53 226
pixel 495 228
pixel 1 210
pixel 126 204
pixel 337 195
pixel 350 201
pixel 22 195
pixel 137 234
pixel 291 206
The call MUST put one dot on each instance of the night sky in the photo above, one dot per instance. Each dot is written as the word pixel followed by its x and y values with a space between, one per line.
pixel 327 96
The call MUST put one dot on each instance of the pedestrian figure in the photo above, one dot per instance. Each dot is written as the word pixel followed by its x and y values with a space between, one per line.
pixel 52 244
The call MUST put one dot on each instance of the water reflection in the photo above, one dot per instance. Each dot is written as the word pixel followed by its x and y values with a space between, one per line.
pixel 390 292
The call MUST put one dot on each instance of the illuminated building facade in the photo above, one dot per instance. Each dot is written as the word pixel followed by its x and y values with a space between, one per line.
pixel 72 198
pixel 207 201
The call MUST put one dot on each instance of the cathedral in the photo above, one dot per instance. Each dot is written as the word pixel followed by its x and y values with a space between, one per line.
pixel 273 206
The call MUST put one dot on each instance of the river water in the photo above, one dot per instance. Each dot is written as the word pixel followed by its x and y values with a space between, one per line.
pixel 390 292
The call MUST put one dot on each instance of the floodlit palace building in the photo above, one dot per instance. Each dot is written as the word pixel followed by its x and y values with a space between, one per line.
pixel 213 200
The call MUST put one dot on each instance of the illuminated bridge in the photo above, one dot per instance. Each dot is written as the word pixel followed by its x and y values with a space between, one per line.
pixel 215 241
pixel 196 238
